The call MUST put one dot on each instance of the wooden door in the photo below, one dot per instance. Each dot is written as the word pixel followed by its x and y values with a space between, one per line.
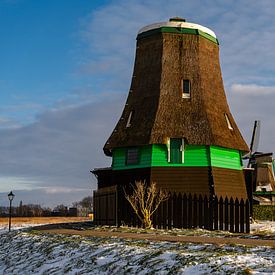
pixel 176 150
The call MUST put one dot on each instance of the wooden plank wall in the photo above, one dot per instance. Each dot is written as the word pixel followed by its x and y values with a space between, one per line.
pixel 105 206
pixel 229 182
pixel 194 180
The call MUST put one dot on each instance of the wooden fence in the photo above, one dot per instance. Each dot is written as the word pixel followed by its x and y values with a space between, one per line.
pixel 184 211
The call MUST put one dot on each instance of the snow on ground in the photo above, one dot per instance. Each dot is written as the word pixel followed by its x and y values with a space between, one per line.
pixel 263 226
pixel 33 252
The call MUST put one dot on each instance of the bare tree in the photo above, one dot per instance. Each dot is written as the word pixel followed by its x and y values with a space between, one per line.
pixel 85 206
pixel 145 200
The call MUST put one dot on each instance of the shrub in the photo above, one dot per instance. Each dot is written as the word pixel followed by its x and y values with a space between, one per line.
pixel 264 212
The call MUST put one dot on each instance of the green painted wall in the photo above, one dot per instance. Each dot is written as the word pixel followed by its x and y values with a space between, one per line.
pixel 194 155
pixel 225 158
pixel 119 158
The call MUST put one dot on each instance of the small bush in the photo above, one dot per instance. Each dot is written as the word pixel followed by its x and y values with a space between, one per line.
pixel 264 212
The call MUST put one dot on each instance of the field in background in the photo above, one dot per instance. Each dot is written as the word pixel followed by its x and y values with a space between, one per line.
pixel 42 220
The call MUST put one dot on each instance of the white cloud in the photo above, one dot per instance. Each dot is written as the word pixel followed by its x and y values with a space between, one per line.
pixel 60 149
pixel 8 183
pixel 248 105
pixel 54 190
pixel 253 89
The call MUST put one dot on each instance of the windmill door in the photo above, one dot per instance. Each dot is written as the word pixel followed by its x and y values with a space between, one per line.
pixel 176 150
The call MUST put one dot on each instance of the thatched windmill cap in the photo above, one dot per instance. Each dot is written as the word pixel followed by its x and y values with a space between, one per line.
pixel 168 55
pixel 177 22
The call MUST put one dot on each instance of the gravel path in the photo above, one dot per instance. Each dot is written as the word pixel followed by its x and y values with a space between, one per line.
pixel 169 238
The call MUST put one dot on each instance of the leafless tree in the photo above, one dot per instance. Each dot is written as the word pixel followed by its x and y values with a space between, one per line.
pixel 145 200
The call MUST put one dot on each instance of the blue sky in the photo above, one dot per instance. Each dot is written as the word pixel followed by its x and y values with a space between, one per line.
pixel 65 72
pixel 41 47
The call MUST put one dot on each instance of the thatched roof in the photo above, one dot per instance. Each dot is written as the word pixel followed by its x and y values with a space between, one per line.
pixel 162 61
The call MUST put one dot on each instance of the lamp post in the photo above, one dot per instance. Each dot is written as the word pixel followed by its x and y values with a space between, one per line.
pixel 10 196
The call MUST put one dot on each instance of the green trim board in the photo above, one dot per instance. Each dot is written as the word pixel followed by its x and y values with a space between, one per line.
pixel 178 31
pixel 264 193
pixel 156 155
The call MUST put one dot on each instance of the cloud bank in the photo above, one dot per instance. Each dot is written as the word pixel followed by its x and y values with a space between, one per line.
pixel 53 155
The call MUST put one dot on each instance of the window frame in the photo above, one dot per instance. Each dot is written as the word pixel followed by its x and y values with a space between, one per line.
pixel 129 120
pixel 184 93
pixel 228 122
pixel 137 158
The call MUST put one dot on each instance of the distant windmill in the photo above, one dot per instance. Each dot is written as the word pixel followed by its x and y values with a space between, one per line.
pixel 254 144
pixel 262 163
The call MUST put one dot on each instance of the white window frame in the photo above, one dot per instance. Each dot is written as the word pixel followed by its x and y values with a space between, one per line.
pixel 168 151
pixel 229 125
pixel 182 149
pixel 128 124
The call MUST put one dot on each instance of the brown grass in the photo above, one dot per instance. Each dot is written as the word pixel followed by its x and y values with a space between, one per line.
pixel 43 220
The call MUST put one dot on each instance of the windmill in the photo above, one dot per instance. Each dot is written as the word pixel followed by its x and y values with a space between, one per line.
pixel 253 145
pixel 263 179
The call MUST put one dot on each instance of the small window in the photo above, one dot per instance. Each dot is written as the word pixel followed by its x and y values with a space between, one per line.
pixel 228 122
pixel 186 88
pixel 129 119
pixel 132 156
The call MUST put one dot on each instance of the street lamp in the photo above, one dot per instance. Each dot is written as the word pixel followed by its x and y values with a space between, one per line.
pixel 10 196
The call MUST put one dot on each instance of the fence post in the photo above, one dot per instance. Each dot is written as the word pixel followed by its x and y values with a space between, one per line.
pixel 184 211
pixel 206 212
pixel 195 211
pixel 231 225
pixel 154 219
pixel 165 211
pixel 169 210
pixel 221 208
pixel 226 214
pixel 190 216
pixel 237 216
pixel 200 211
pixel 160 216
pixel 179 209
pixel 215 210
pixel 211 201
pixel 247 216
pixel 242 216
pixel 176 206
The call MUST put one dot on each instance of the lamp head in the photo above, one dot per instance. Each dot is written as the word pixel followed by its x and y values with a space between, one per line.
pixel 11 196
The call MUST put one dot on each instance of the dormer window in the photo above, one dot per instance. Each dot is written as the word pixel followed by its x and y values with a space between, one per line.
pixel 229 125
pixel 186 87
pixel 129 119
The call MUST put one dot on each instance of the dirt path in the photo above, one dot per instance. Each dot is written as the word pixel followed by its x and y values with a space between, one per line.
pixel 152 237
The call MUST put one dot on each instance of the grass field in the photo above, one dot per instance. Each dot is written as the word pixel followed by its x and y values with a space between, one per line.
pixel 17 221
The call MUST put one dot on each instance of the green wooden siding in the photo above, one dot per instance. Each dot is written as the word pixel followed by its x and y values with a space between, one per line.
pixel 193 156
pixel 225 158
pixel 119 158
pixel 156 155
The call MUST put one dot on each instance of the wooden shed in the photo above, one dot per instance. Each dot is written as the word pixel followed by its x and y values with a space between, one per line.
pixel 176 128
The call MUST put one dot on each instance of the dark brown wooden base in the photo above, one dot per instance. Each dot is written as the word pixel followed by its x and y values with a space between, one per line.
pixel 209 181
pixel 111 207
